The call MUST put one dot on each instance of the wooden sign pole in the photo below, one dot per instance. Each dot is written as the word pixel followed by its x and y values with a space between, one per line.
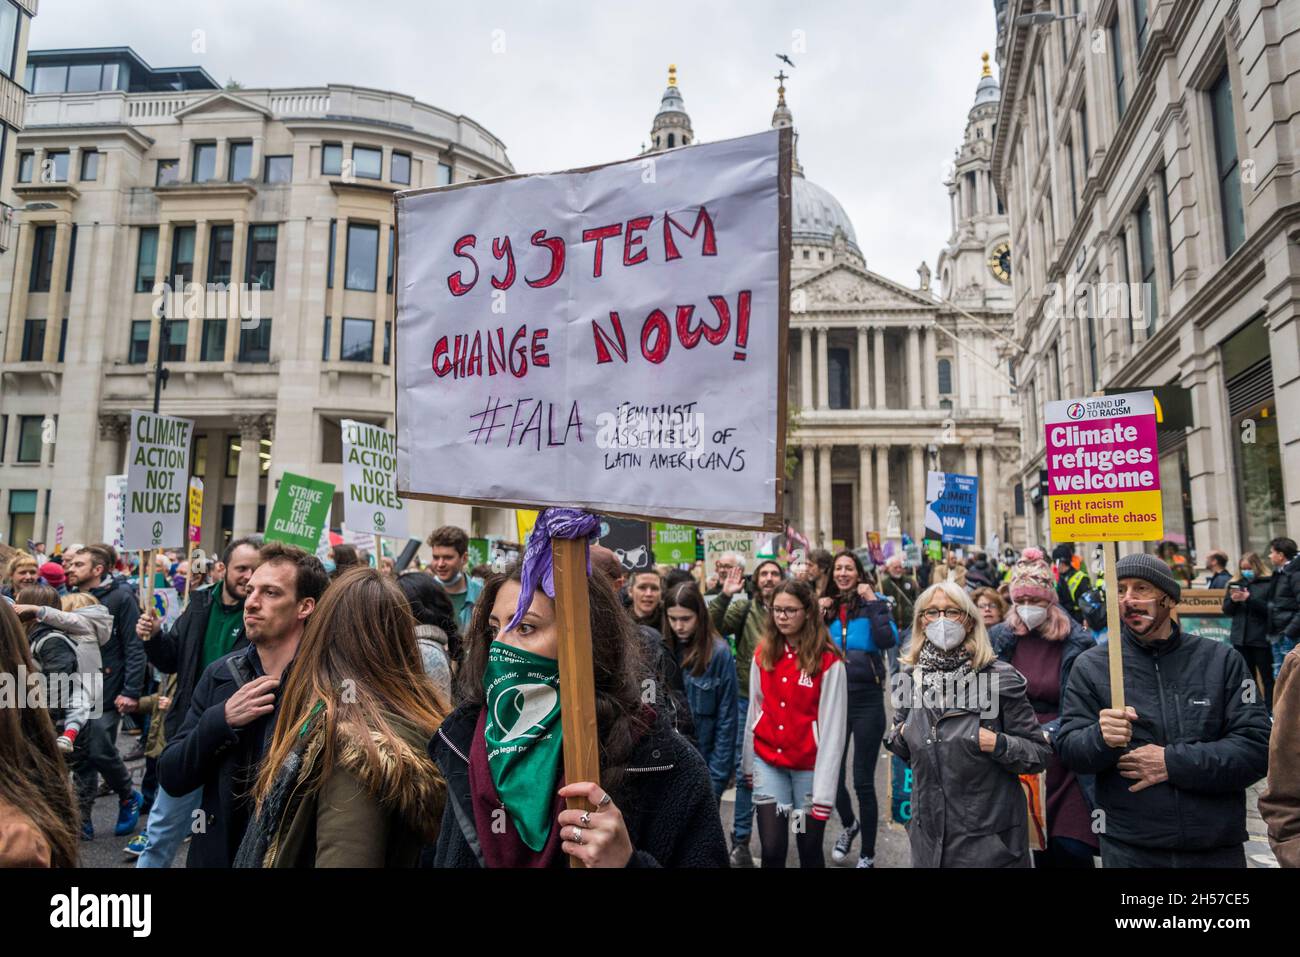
pixel 379 552
pixel 189 573
pixel 577 682
pixel 147 573
pixel 1114 641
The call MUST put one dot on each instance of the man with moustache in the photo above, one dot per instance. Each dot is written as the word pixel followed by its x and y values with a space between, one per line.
pixel 231 716
pixel 1173 766
pixel 211 626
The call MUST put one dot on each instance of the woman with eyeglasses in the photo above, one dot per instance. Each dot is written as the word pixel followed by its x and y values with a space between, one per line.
pixel 964 725
pixel 993 609
pixel 861 626
pixel 794 738
pixel 1041 640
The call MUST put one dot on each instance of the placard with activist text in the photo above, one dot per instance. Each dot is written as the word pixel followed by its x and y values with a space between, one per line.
pixel 196 509
pixel 673 544
pixel 115 510
pixel 157 473
pixel 951 504
pixel 302 507
pixel 609 338
pixel 1103 469
pixel 370 502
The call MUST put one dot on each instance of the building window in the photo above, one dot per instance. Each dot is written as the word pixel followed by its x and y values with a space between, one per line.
pixel 1091 328
pixel 221 254
pixel 279 169
pixel 1074 180
pixel 255 343
pixel 146 260
pixel 89 166
pixel 175 332
pixel 1083 134
pixel 200 455
pixel 362 257
pixel 1143 24
pixel 241 162
pixel 33 340
pixel 261 256
pixel 212 348
pixel 72 257
pixel 392 254
pixel 839 385
pixel 22 514
pixel 331 159
pixel 1020 500
pixel 55 167
pixel 358 340
pixel 1260 492
pixel 183 253
pixel 1228 169
pixel 9 21
pixel 367 162
pixel 1169 226
pixel 388 341
pixel 85 77
pixel 444 174
pixel 1147 265
pixel 63 339
pixel 29 438
pixel 233 448
pixel 329 270
pixel 325 347
pixel 42 259
pixel 205 162
pixel 945 377
pixel 138 351
pixel 331 441
pixel 400 168
pixel 26 166
pixel 169 172
pixel 49 79
pixel 1117 51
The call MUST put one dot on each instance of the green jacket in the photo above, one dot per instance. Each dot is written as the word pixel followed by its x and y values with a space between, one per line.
pixel 734 618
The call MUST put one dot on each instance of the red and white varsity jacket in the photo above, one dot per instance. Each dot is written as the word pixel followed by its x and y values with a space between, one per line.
pixel 799 721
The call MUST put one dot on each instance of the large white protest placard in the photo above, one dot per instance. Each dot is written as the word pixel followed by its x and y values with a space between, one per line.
pixel 158 468
pixel 610 338
pixel 370 502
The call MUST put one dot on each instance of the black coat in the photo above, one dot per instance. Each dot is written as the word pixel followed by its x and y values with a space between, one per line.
pixel 179 649
pixel 1249 617
pixel 208 753
pixel 666 800
pixel 123 653
pixel 57 659
pixel 1187 692
pixel 1284 602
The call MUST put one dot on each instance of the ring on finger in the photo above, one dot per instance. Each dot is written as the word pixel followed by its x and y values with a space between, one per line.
pixel 577 834
pixel 585 820
pixel 604 800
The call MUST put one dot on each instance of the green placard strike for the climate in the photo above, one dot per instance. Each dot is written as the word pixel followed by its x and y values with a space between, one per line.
pixel 674 544
pixel 302 508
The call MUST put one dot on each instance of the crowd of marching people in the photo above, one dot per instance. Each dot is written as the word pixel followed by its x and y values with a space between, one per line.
pixel 344 711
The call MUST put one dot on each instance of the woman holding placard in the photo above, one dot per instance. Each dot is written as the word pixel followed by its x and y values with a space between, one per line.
pixel 501 749
pixel 968 805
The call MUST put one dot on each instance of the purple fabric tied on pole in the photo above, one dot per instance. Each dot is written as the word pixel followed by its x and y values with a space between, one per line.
pixel 539 565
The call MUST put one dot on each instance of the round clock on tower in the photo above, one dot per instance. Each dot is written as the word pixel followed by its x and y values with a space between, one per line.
pixel 1000 262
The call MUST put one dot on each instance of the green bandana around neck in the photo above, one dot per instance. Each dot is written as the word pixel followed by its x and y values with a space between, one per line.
pixel 523 736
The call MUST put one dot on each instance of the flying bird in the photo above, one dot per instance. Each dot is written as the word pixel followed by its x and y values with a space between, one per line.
pixel 785 59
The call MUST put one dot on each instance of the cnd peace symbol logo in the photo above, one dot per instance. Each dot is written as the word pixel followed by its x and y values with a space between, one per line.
pixel 379 519
pixel 1075 411
pixel 157 529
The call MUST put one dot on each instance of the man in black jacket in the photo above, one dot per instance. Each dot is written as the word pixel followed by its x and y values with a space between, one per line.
pixel 1172 767
pixel 1284 599
pixel 231 716
pixel 90 569
pixel 211 626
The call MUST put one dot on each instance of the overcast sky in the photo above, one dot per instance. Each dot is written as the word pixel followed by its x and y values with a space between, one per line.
pixel 880 88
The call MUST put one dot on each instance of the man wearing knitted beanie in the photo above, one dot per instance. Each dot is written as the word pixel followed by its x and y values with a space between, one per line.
pixel 1173 766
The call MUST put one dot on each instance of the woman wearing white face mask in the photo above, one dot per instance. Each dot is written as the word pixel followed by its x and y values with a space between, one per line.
pixel 1042 641
pixel 963 724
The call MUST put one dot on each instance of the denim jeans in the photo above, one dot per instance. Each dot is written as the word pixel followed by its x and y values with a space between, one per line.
pixel 743 824
pixel 169 825
pixel 782 786
pixel 1280 649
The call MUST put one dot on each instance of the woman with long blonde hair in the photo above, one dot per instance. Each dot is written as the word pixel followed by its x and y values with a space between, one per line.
pixel 964 725
pixel 794 738
pixel 347 781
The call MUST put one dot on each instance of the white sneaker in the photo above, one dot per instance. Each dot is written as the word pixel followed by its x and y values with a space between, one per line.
pixel 866 862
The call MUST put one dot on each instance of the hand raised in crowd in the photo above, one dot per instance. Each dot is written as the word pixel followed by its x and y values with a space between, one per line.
pixel 1145 765
pixel 825 604
pixel 734 582
pixel 598 838
pixel 866 592
pixel 1116 726
pixel 252 701
pixel 147 625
